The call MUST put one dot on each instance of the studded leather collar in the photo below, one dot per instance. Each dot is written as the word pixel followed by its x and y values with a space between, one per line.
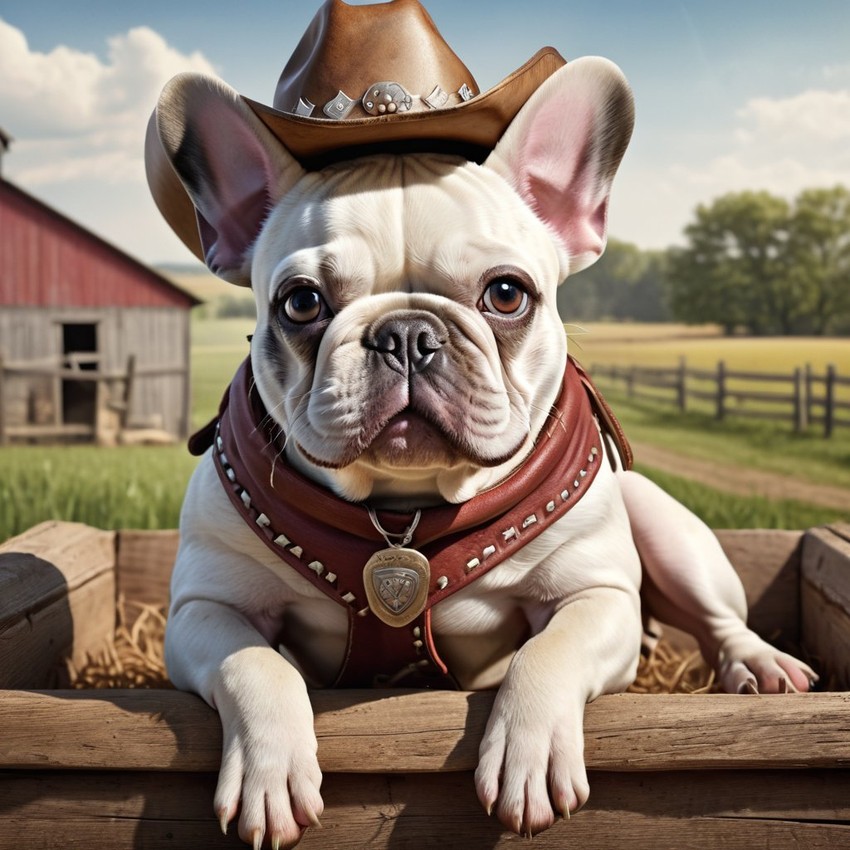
pixel 329 540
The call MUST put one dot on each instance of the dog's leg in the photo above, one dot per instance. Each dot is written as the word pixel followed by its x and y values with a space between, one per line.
pixel 692 586
pixel 269 747
pixel 532 753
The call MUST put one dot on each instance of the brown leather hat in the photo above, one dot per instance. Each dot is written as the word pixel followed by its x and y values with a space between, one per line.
pixel 366 79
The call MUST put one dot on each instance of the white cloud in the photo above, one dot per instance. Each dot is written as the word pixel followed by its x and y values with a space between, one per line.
pixel 74 116
pixel 782 145
pixel 78 124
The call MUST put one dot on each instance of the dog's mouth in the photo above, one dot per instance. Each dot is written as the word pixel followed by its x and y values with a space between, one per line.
pixel 409 436
pixel 413 439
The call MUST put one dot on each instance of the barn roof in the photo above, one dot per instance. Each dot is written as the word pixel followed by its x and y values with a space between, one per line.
pixel 48 259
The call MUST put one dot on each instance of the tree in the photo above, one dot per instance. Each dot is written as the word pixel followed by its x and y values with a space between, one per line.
pixel 819 248
pixel 731 272
pixel 754 261
pixel 624 284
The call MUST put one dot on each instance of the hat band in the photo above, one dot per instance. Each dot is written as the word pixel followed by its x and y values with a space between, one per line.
pixel 384 98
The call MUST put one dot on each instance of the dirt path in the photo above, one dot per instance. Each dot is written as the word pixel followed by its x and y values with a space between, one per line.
pixel 743 482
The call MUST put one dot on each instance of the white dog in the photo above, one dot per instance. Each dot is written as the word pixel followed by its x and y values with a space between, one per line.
pixel 406 364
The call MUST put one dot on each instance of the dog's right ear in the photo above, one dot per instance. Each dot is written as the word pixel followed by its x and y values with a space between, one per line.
pixel 231 166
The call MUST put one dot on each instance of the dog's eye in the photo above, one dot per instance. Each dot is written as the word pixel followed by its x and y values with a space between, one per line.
pixel 505 297
pixel 303 305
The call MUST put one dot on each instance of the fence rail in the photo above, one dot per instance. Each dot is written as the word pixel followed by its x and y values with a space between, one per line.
pixel 808 398
pixel 113 395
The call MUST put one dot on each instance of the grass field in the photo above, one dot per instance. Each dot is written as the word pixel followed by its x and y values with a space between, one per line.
pixel 143 487
pixel 703 347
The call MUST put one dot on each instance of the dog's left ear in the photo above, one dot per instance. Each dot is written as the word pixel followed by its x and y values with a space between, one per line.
pixel 563 148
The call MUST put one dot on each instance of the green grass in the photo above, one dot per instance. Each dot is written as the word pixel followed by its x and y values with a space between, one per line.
pixel 218 347
pixel 724 510
pixel 142 487
pixel 739 442
pixel 128 487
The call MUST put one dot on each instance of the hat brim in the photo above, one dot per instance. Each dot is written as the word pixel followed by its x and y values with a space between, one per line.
pixel 476 124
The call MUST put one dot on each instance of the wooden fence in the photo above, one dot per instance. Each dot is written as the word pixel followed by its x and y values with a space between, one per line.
pixel 802 397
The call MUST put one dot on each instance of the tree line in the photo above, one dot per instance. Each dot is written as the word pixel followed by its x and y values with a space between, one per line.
pixel 751 262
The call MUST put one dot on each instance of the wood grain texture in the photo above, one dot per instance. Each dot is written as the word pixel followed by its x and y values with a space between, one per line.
pixel 409 731
pixel 57 601
pixel 145 562
pixel 825 600
pixel 661 811
pixel 768 562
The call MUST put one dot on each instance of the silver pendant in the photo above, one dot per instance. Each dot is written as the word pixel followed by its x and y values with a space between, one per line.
pixel 396 582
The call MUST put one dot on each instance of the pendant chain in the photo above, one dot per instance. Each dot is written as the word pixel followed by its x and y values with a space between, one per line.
pixel 406 536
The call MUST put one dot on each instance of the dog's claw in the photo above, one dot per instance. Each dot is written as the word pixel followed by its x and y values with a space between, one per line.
pixel 748 687
pixel 223 821
pixel 276 842
pixel 257 839
pixel 782 685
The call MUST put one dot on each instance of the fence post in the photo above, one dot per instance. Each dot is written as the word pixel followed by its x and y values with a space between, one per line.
pixel 721 390
pixel 681 387
pixel 810 393
pixel 829 401
pixel 630 382
pixel 801 419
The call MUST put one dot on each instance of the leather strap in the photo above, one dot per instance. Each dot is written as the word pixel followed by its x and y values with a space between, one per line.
pixel 328 540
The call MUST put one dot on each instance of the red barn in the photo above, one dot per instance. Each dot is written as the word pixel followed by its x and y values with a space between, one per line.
pixel 93 344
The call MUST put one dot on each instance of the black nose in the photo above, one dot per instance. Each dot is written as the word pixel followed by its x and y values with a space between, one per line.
pixel 407 339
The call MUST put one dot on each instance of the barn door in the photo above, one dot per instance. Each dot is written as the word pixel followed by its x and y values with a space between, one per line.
pixel 79 353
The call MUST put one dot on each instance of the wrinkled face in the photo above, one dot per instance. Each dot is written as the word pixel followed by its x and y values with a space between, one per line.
pixel 407 338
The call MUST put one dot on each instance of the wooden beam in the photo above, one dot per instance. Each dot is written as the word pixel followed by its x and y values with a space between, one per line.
pixel 825 595
pixel 661 811
pixel 425 731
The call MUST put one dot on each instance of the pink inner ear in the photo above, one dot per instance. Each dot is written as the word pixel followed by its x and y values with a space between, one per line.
pixel 237 196
pixel 558 175
pixel 226 244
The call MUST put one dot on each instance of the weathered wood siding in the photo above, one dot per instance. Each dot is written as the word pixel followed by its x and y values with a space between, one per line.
pixel 157 336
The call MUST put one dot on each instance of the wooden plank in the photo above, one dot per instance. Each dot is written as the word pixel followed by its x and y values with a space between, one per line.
pixel 57 601
pixel 661 811
pixel 145 561
pixel 826 600
pixel 435 731
pixel 768 563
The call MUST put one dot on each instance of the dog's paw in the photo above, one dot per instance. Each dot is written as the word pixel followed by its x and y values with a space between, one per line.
pixel 273 781
pixel 752 666
pixel 269 770
pixel 531 765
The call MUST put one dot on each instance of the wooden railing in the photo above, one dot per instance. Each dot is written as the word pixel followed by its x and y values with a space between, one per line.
pixel 114 392
pixel 801 397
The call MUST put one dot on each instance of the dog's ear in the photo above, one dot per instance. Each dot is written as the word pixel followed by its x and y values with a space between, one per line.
pixel 563 148
pixel 231 166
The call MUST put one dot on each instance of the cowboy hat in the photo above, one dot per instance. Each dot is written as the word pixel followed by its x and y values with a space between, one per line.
pixel 364 79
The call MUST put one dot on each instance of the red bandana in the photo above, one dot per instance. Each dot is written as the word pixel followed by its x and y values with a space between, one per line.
pixel 329 540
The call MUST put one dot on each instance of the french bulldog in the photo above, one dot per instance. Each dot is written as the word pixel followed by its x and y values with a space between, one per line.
pixel 408 353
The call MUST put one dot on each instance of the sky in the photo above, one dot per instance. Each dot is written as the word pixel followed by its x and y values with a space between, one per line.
pixel 730 95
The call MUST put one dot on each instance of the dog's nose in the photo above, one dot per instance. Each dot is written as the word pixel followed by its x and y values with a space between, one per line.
pixel 407 339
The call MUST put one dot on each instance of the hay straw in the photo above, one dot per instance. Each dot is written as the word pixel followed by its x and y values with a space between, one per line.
pixel 134 658
pixel 668 670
